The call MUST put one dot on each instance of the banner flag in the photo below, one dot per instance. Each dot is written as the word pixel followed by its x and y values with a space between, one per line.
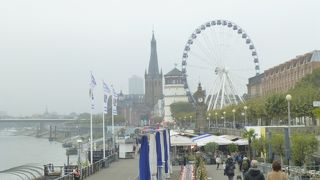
pixel 114 101
pixel 92 85
pixel 107 93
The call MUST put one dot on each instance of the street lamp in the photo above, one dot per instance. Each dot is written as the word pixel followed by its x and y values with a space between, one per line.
pixel 245 115
pixel 190 120
pixel 288 98
pixel 242 114
pixel 234 118
pixel 209 120
pixel 216 114
pixel 224 118
pixel 79 141
pixel 185 121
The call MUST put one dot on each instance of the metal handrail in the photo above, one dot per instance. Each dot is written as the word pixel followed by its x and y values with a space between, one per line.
pixel 91 169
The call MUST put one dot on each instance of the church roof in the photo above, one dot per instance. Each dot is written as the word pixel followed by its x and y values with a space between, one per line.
pixel 153 69
pixel 174 72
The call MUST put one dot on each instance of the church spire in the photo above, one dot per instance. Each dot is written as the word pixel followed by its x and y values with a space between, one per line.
pixel 153 62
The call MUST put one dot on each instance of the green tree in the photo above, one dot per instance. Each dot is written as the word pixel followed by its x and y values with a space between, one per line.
pixel 232 148
pixel 276 106
pixel 250 135
pixel 277 143
pixel 260 145
pixel 181 107
pixel 303 145
pixel 211 147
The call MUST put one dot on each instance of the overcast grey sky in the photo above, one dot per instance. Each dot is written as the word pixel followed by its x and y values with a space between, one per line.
pixel 48 48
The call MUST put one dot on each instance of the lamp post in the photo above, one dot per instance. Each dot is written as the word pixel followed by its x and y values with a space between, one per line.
pixel 190 121
pixel 185 121
pixel 242 114
pixel 245 115
pixel 216 114
pixel 209 120
pixel 79 141
pixel 224 119
pixel 234 118
pixel 288 98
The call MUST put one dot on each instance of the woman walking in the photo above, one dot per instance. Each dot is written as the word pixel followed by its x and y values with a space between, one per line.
pixel 276 173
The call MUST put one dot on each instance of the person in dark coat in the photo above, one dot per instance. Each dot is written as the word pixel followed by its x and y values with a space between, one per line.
pixel 229 169
pixel 254 173
pixel 245 165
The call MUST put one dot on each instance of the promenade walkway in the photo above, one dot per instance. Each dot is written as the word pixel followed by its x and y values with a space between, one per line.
pixel 218 174
pixel 128 169
pixel 123 169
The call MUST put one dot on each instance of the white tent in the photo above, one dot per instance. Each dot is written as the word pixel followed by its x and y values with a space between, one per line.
pixel 204 139
pixel 230 137
pixel 178 140
pixel 241 142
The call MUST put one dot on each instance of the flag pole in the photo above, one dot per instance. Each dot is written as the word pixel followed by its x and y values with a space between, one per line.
pixel 92 85
pixel 113 143
pixel 104 136
pixel 103 125
pixel 91 139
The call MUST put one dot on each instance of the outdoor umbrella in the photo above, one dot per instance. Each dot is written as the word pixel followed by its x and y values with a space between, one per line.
pixel 144 167
pixel 166 168
pixel 153 156
pixel 159 154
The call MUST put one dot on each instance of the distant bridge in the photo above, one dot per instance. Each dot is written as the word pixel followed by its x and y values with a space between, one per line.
pixel 40 120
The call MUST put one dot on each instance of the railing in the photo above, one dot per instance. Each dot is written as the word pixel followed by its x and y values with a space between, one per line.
pixel 92 169
pixel 296 172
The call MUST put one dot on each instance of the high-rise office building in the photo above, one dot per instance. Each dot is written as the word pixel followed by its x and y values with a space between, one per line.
pixel 135 85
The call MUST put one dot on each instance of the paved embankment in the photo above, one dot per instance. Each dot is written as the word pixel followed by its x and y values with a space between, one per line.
pixel 123 169
pixel 128 169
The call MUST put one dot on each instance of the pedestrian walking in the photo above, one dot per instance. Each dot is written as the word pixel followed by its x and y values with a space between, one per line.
pixel 276 173
pixel 229 169
pixel 76 174
pixel 218 161
pixel 245 165
pixel 254 173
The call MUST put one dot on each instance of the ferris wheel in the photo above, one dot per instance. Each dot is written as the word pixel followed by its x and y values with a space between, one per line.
pixel 221 56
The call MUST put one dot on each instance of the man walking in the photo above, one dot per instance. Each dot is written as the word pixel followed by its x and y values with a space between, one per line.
pixel 229 169
pixel 254 173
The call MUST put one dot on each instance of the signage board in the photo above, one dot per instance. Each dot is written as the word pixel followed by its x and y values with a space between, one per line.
pixel 316 103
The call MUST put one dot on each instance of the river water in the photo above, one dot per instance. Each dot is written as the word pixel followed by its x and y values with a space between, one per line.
pixel 20 150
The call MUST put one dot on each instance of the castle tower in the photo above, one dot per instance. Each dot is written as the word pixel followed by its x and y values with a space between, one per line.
pixel 173 91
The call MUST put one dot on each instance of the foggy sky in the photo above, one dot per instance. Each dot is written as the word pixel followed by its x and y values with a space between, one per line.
pixel 48 48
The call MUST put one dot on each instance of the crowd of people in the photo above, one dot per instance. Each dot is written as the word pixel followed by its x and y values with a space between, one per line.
pixel 249 168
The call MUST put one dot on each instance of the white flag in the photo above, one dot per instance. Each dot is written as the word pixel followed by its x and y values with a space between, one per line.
pixel 92 82
pixel 107 93
pixel 114 101
pixel 92 85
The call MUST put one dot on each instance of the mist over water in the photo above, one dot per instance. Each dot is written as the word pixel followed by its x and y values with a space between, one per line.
pixel 20 150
